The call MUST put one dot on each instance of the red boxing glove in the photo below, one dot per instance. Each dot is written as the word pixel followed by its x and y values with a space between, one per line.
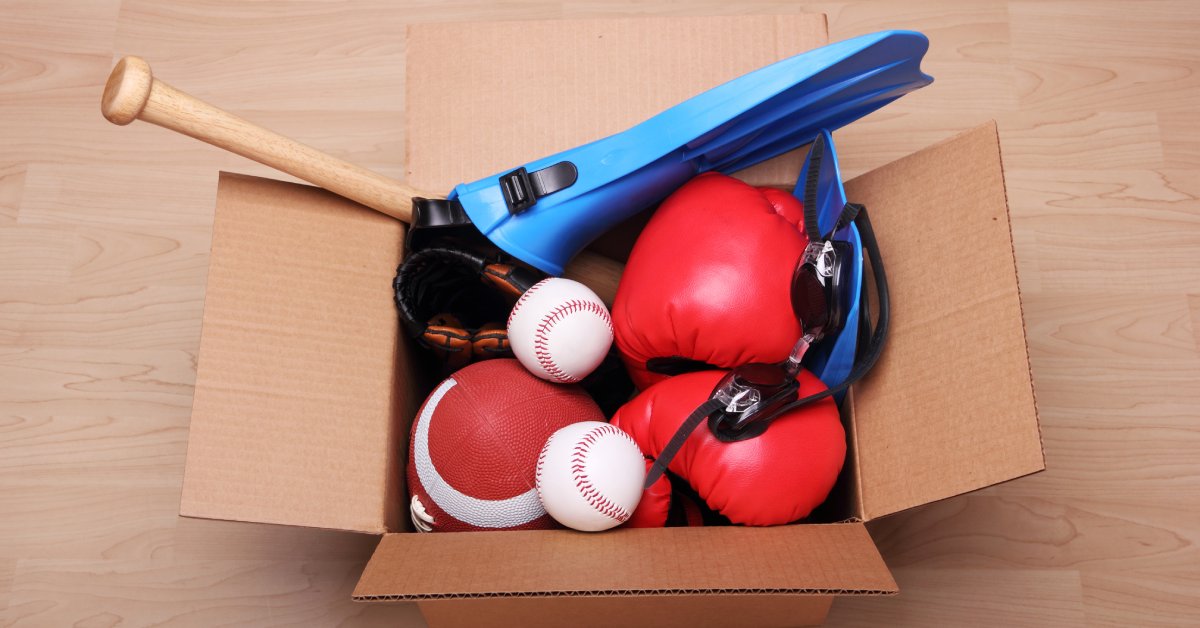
pixel 774 478
pixel 663 506
pixel 709 280
pixel 655 506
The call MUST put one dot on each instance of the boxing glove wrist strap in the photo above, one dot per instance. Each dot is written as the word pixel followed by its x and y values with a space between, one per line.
pixel 698 416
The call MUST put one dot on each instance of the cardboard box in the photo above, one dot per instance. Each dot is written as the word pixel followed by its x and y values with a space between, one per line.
pixel 305 389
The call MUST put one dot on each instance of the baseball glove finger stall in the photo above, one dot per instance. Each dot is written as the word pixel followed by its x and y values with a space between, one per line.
pixel 455 302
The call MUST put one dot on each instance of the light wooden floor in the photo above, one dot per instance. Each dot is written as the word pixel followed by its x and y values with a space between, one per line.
pixel 104 236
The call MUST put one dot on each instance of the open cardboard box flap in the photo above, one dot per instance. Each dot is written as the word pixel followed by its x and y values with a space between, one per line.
pixel 298 379
pixel 949 408
pixel 305 389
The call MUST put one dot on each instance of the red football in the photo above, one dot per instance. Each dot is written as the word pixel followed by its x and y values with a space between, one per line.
pixel 475 444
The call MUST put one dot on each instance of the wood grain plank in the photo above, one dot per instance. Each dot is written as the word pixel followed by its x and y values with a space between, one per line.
pixel 79 194
pixel 97 520
pixel 153 383
pixel 958 31
pixel 36 255
pixel 1107 328
pixel 1181 139
pixel 1080 140
pixel 101 316
pixel 37 77
pixel 8 568
pixel 65 451
pixel 1092 456
pixel 174 257
pixel 85 27
pixel 167 258
pixel 1099 360
pixel 194 593
pixel 988 531
pixel 930 597
pixel 12 185
pixel 1194 310
pixel 1117 428
pixel 75 133
pixel 1127 84
pixel 584 9
pixel 1071 58
pixel 1102 230
pixel 229 27
pixel 1142 598
pixel 1164 29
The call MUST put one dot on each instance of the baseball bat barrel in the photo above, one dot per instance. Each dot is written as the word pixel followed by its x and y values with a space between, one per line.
pixel 598 272
pixel 132 93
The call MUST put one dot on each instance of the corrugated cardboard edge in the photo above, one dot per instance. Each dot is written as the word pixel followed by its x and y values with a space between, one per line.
pixel 936 485
pixel 1012 243
pixel 624 593
pixel 825 559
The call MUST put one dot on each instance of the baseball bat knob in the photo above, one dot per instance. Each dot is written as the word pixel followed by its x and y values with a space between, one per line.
pixel 127 91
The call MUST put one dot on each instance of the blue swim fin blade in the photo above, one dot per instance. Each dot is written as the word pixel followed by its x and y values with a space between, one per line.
pixel 549 209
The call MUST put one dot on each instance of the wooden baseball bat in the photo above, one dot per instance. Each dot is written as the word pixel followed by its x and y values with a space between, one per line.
pixel 132 93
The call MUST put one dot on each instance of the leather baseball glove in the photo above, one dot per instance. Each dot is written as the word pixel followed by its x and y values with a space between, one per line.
pixel 456 302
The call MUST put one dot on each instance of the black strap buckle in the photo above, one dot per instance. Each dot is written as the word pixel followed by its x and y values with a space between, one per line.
pixel 522 188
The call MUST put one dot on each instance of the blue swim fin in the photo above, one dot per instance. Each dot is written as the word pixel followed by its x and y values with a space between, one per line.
pixel 833 358
pixel 548 210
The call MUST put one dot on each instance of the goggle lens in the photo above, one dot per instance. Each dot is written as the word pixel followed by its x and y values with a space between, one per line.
pixel 810 299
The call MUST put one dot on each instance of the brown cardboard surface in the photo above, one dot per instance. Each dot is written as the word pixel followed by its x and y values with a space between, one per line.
pixel 298 381
pixel 662 611
pixel 811 559
pixel 489 97
pixel 950 406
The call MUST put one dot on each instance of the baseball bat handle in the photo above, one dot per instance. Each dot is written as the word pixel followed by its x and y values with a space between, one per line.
pixel 132 93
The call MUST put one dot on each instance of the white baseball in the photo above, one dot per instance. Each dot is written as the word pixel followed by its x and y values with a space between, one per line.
pixel 560 330
pixel 589 476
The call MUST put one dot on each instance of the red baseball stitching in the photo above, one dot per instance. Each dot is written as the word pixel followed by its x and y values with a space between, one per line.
pixel 541 464
pixel 582 482
pixel 541 340
pixel 524 296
